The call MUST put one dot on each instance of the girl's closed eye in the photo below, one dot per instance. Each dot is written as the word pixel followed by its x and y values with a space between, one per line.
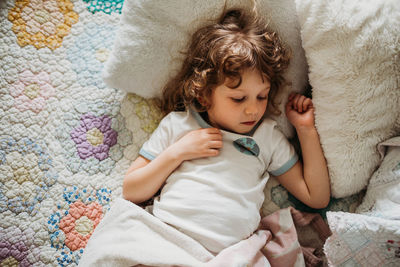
pixel 241 99
pixel 238 99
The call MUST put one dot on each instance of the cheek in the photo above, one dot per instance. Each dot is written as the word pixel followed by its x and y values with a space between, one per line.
pixel 263 107
pixel 223 106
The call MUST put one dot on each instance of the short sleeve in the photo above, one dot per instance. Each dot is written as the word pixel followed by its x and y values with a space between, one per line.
pixel 283 156
pixel 159 140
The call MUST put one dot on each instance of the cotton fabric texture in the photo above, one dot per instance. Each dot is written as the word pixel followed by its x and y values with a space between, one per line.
pixel 128 235
pixel 216 200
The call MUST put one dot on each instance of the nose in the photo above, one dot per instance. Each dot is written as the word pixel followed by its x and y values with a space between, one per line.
pixel 251 110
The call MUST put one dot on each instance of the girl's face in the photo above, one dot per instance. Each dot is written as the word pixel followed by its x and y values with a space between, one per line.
pixel 240 109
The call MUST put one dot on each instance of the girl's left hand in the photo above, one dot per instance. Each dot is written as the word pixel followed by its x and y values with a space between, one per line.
pixel 300 111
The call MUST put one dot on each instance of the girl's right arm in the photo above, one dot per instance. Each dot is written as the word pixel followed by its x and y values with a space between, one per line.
pixel 144 177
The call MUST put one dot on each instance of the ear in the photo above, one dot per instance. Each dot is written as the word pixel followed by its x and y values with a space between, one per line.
pixel 202 101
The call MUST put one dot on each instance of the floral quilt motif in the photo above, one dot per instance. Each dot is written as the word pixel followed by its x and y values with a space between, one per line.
pixel 17 247
pixel 94 136
pixel 89 53
pixel 42 23
pixel 66 138
pixel 64 144
pixel 106 6
pixel 74 221
pixel 32 90
pixel 26 172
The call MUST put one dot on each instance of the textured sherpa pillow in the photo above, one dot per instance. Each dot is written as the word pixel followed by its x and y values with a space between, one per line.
pixel 152 34
pixel 352 49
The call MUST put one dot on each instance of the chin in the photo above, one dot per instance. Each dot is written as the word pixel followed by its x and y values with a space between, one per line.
pixel 241 129
pixel 244 131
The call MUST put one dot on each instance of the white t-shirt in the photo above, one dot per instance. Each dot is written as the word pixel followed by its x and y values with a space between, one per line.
pixel 216 200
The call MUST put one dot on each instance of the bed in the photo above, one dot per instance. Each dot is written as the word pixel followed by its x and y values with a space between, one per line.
pixel 67 137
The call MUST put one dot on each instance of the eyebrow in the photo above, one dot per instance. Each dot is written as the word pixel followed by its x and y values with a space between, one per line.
pixel 242 90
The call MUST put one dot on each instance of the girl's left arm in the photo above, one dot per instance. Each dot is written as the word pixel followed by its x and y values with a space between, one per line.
pixel 308 182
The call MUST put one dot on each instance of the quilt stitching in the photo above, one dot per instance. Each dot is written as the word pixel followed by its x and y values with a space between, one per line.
pixel 66 138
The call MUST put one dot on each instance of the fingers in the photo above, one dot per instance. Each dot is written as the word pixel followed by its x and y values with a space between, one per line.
pixel 212 141
pixel 291 96
pixel 307 104
pixel 213 131
pixel 215 144
pixel 212 134
pixel 298 102
pixel 212 152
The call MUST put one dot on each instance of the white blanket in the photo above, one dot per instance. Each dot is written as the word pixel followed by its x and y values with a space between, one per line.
pixel 128 235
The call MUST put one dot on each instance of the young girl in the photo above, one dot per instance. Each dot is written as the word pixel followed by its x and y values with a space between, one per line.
pixel 213 153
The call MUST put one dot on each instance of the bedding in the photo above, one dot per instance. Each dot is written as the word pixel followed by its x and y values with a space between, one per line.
pixel 352 49
pixel 112 245
pixel 66 137
pixel 153 33
pixel 362 240
pixel 383 192
pixel 371 237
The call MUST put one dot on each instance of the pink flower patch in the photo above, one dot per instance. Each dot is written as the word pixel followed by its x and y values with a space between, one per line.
pixel 32 90
pixel 76 235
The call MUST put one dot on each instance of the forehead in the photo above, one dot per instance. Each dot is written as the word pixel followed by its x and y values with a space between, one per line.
pixel 249 79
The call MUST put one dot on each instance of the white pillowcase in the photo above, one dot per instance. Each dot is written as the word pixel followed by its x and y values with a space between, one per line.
pixel 352 49
pixel 152 34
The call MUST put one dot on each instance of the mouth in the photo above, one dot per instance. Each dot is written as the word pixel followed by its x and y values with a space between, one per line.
pixel 249 123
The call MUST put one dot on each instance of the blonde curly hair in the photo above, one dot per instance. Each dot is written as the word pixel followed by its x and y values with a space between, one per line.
pixel 237 41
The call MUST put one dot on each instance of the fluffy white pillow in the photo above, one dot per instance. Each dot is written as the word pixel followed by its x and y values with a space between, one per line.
pixel 352 49
pixel 152 34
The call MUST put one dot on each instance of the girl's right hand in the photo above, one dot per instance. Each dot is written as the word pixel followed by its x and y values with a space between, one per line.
pixel 199 143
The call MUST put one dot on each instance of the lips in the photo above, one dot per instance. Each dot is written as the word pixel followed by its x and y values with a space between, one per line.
pixel 249 123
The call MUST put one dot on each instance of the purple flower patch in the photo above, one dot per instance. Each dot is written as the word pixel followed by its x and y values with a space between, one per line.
pixel 16 247
pixel 94 136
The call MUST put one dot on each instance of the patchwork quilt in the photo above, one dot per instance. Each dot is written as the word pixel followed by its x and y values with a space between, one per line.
pixel 66 139
pixel 371 236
